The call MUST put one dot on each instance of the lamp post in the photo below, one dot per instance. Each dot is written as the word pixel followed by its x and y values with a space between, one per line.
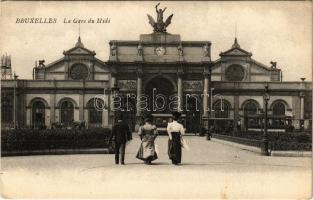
pixel 14 101
pixel 266 98
pixel 114 90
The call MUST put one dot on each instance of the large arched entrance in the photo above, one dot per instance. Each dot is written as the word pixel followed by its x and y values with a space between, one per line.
pixel 67 112
pixel 38 114
pixel 160 94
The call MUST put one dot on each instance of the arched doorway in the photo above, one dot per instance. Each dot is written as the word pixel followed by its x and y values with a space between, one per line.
pixel 192 107
pixel 67 112
pixel 160 92
pixel 6 113
pixel 38 114
pixel 250 113
pixel 221 116
pixel 94 113
pixel 279 114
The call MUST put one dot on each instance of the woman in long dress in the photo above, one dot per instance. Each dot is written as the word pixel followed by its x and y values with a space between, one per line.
pixel 148 133
pixel 175 130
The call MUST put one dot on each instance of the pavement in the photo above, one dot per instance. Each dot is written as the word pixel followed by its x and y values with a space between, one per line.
pixel 208 170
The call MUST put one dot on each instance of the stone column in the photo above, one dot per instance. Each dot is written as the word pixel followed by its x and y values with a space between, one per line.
pixel 205 95
pixel 236 111
pixel 180 93
pixel 139 93
pixel 302 86
pixel 52 108
pixel 81 106
pixel 302 106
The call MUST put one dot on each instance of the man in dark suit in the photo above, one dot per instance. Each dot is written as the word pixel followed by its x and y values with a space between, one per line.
pixel 121 134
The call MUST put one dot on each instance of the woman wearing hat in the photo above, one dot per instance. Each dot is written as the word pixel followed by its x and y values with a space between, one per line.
pixel 175 130
pixel 147 133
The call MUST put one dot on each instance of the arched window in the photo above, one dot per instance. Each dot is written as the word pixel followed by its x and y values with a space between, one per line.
pixel 67 112
pixel 221 109
pixel 278 108
pixel 250 108
pixel 95 107
pixel 6 112
pixel 38 114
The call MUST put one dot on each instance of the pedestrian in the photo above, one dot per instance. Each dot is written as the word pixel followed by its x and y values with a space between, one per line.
pixel 147 133
pixel 120 134
pixel 175 131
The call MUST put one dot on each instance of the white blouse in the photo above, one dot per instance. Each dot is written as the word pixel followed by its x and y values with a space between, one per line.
pixel 175 127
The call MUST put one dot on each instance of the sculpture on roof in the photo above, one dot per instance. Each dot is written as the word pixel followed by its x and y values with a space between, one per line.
pixel 41 63
pixel 273 64
pixel 159 25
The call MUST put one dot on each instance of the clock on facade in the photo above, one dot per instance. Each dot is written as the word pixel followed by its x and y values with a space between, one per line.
pixel 79 71
pixel 160 51
pixel 235 73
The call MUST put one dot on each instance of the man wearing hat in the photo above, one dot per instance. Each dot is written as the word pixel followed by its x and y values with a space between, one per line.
pixel 121 134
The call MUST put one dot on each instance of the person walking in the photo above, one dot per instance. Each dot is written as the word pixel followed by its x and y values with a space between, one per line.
pixel 120 134
pixel 147 133
pixel 175 130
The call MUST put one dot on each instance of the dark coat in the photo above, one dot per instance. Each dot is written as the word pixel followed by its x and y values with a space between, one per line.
pixel 121 133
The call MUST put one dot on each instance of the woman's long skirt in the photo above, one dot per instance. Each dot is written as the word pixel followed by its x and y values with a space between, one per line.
pixel 174 148
pixel 147 151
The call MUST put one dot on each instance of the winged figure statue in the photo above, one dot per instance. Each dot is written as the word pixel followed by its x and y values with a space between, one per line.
pixel 159 25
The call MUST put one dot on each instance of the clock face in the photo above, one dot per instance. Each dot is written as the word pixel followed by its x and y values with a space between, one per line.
pixel 160 51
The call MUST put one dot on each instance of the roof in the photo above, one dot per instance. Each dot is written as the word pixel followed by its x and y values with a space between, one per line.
pixel 236 51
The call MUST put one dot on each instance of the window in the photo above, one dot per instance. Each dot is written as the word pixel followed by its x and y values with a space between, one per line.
pixel 6 111
pixel 95 107
pixel 279 108
pixel 79 71
pixel 38 114
pixel 221 109
pixel 235 73
pixel 250 108
pixel 67 112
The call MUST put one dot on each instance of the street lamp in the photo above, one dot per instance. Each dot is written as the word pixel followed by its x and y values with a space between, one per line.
pixel 266 98
pixel 114 91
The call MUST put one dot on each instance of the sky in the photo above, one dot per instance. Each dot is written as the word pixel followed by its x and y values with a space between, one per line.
pixel 272 31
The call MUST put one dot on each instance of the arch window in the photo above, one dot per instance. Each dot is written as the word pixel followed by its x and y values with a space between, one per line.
pixel 95 107
pixel 38 114
pixel 250 108
pixel 221 109
pixel 6 111
pixel 67 112
pixel 279 108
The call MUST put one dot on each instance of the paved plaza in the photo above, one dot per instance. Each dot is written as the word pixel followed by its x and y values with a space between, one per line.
pixel 209 170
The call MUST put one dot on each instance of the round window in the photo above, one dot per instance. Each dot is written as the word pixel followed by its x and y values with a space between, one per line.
pixel 235 73
pixel 79 71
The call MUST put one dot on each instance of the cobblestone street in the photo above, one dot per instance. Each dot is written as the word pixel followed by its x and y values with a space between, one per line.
pixel 208 170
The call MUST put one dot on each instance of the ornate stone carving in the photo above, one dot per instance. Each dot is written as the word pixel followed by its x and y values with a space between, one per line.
pixel 206 50
pixel 127 84
pixel 139 50
pixel 159 25
pixel 180 50
pixel 193 85
pixel 113 48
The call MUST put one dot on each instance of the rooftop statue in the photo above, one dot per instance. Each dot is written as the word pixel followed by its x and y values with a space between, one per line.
pixel 159 25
